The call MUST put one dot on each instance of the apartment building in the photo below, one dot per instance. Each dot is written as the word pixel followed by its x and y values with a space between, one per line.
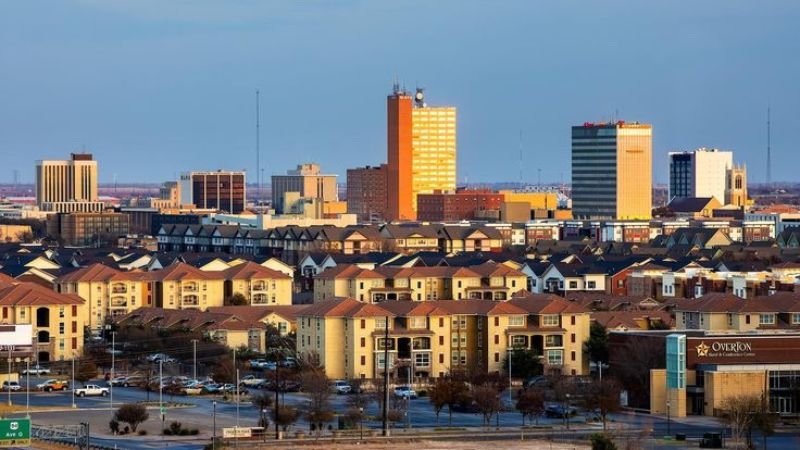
pixel 307 182
pixel 366 192
pixel 57 319
pixel 219 190
pixel 727 312
pixel 110 293
pixel 489 281
pixel 68 186
pixel 430 339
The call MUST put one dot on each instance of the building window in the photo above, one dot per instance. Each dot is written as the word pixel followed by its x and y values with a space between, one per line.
pixel 497 321
pixel 61 312
pixel 61 328
pixel 730 319
pixel 572 355
pixel 795 318
pixel 516 321
pixel 422 359
pixel 573 285
pixel 417 322
pixel 591 284
pixel 363 342
pixel 441 358
pixel 441 322
pixel 496 339
pixel 572 320
pixel 553 340
pixel 441 340
pixel 518 341
pixel 555 357
pixel 380 324
pixel 766 319
pixel 363 360
pixel 550 320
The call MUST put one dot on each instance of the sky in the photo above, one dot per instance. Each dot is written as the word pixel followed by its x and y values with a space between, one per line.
pixel 156 87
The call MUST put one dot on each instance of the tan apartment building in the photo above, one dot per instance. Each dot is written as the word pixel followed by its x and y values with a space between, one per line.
pixel 430 339
pixel 110 293
pixel 308 182
pixel 57 320
pixel 488 281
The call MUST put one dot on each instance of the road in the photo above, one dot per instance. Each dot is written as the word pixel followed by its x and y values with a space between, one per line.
pixel 201 413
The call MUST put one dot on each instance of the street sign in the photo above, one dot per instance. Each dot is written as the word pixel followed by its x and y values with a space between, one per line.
pixel 237 432
pixel 15 432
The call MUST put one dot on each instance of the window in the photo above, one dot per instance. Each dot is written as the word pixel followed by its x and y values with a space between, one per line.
pixel 796 318
pixel 519 341
pixel 572 355
pixel 441 358
pixel 441 322
pixel 573 285
pixel 384 343
pixel 61 328
pixel 497 357
pixel 363 342
pixel 363 324
pixel 516 321
pixel 747 319
pixel 766 319
pixel 422 359
pixel 497 321
pixel 496 339
pixel 554 357
pixel 572 338
pixel 550 320
pixel 553 340
pixel 417 322
pixel 572 320
pixel 730 319
pixel 441 340
pixel 380 323
pixel 591 284
pixel 363 360
pixel 61 312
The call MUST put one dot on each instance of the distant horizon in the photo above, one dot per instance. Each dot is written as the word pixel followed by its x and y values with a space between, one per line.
pixel 154 89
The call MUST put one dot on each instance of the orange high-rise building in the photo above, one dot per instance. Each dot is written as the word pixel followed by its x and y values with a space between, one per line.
pixel 421 144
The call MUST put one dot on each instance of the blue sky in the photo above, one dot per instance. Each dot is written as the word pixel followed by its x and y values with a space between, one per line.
pixel 156 87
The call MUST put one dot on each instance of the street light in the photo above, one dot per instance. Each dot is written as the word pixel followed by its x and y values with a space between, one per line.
pixel 214 432
pixel 113 355
pixel 9 375
pixel 668 418
pixel 194 359
pixel 264 423
pixel 361 422
pixel 566 412
pixel 73 382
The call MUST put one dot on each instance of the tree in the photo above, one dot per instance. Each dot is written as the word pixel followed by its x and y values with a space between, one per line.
pixel 315 385
pixel 633 365
pixel 85 371
pixel 358 398
pixel 531 404
pixel 438 396
pixel 597 344
pixel 237 299
pixel 285 417
pixel 487 401
pixel 455 391
pixel 262 401
pixel 133 414
pixel 740 412
pixel 225 371
pixel 603 396
pixel 765 420
pixel 525 363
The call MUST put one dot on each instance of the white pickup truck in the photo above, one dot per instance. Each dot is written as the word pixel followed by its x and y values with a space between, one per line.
pixel 91 390
pixel 251 381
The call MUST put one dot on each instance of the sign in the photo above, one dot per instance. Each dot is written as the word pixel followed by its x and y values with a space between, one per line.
pixel 16 339
pixel 717 349
pixel 15 432
pixel 237 432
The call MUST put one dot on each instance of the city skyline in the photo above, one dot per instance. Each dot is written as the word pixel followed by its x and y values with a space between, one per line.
pixel 177 89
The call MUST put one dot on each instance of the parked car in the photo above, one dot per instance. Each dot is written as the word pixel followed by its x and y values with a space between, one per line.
pixel 212 388
pixel 36 370
pixel 91 390
pixel 11 386
pixel 162 358
pixel 133 380
pixel 405 392
pixel 289 361
pixel 251 381
pixel 559 410
pixel 53 385
pixel 342 387
pixel 117 381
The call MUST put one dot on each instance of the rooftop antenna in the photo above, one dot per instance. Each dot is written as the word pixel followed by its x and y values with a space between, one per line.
pixel 520 159
pixel 258 142
pixel 769 150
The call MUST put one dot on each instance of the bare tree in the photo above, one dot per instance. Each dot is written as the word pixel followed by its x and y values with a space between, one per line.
pixel 531 404
pixel 262 401
pixel 319 410
pixel 487 401
pixel 438 396
pixel 603 396
pixel 740 412
pixel 633 364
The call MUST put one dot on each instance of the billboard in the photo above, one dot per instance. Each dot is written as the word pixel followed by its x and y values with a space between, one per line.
pixel 17 339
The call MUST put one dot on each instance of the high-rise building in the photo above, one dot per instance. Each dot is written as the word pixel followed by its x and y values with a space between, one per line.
pixel 308 182
pixel 366 193
pixel 612 171
pixel 701 173
pixel 421 147
pixel 220 190
pixel 68 186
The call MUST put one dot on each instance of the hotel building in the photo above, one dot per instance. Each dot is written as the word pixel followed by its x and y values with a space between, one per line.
pixel 68 186
pixel 220 190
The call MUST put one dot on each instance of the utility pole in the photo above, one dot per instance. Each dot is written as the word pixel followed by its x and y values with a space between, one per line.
pixel 194 359
pixel 386 378
pixel 161 393
pixel 111 384
pixel 277 382
pixel 9 374
pixel 73 382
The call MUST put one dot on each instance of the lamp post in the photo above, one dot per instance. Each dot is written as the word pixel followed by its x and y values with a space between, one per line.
pixel 161 392
pixel 214 429
pixel 361 422
pixel 111 383
pixel 510 398
pixel 73 382
pixel 8 383
pixel 194 359
pixel 28 387
pixel 566 412
pixel 668 419
pixel 263 422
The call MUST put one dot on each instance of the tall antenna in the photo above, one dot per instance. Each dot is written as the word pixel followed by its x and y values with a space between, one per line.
pixel 520 159
pixel 769 150
pixel 258 142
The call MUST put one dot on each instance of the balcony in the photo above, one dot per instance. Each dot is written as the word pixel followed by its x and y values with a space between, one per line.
pixel 190 300
pixel 189 288
pixel 118 303
pixel 260 287
pixel 259 299
pixel 119 289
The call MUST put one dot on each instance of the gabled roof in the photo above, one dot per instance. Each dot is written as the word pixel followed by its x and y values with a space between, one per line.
pixel 251 270
pixel 94 273
pixel 689 204
pixel 546 304
pixel 32 294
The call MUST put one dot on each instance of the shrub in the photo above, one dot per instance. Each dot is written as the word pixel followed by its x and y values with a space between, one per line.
pixel 114 426
pixel 194 432
pixel 602 441
pixel 142 432
pixel 132 414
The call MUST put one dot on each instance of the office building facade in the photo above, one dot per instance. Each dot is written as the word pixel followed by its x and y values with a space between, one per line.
pixel 366 193
pixel 220 190
pixel 612 173
pixel 68 186
pixel 421 146
pixel 308 182
pixel 700 173
pixel 464 204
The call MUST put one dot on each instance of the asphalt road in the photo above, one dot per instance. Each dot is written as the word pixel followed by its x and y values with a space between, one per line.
pixel 201 413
